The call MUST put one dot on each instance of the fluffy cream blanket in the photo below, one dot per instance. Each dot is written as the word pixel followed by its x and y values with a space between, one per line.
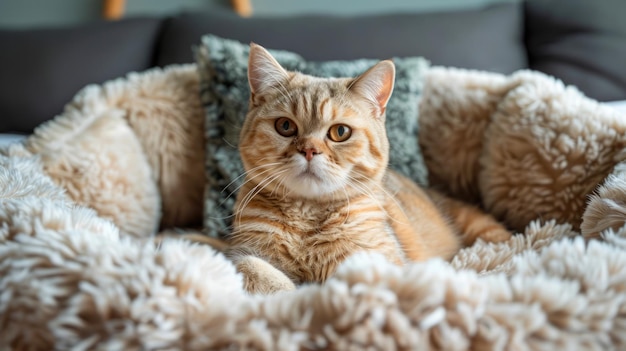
pixel 80 199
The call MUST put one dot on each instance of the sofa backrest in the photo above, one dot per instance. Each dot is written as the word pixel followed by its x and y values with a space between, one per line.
pixel 581 42
pixel 42 69
pixel 487 38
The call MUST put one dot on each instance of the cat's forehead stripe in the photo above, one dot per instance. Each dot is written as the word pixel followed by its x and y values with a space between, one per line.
pixel 294 107
pixel 323 105
pixel 318 102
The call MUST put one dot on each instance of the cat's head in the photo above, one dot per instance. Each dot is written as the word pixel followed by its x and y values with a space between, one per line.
pixel 315 137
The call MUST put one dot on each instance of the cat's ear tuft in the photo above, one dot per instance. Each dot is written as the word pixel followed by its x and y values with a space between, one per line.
pixel 376 84
pixel 264 71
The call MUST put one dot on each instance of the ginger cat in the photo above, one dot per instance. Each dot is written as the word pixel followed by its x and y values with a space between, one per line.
pixel 317 186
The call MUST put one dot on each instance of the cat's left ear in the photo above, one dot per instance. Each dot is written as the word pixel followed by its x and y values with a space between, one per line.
pixel 376 85
pixel 264 72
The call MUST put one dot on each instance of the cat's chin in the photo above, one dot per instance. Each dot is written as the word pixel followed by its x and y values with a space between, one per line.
pixel 310 185
pixel 312 180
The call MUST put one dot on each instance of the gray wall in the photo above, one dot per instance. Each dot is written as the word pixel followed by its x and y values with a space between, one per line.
pixel 37 13
pixel 351 7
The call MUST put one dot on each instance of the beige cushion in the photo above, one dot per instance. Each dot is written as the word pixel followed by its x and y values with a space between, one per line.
pixel 98 160
pixel 162 120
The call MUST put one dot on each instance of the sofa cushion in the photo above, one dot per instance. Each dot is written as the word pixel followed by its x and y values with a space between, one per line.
pixel 581 42
pixel 448 38
pixel 42 69
pixel 546 150
pixel 96 157
pixel 162 108
pixel 225 93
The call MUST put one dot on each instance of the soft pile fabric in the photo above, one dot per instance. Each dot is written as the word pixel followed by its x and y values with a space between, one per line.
pixel 71 279
pixel 122 147
pixel 223 66
pixel 98 160
pixel 526 146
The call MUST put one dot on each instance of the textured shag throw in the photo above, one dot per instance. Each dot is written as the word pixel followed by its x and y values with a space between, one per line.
pixel 80 199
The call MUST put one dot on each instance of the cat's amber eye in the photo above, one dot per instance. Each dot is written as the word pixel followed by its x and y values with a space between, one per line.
pixel 339 133
pixel 285 127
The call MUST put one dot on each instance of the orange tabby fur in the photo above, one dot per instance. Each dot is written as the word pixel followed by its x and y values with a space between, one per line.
pixel 309 202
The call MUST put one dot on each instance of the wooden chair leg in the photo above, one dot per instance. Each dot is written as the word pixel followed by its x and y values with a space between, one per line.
pixel 113 9
pixel 242 7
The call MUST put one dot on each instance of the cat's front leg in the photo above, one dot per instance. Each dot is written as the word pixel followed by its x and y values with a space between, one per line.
pixel 260 277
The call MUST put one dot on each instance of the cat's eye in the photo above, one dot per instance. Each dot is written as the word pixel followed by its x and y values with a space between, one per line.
pixel 285 127
pixel 339 132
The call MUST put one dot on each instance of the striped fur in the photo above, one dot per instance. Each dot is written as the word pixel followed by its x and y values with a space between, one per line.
pixel 309 202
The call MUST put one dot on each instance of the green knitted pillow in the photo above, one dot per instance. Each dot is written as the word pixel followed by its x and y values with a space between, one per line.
pixel 223 66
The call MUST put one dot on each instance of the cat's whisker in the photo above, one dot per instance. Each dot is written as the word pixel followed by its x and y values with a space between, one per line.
pixel 364 190
pixel 367 191
pixel 225 217
pixel 360 186
pixel 245 173
pixel 228 143
pixel 280 183
pixel 393 198
pixel 256 190
pixel 250 178
pixel 247 180
pixel 349 208
pixel 244 202
pixel 251 147
pixel 288 191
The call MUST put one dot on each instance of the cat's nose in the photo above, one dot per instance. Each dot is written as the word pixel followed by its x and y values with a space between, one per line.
pixel 309 152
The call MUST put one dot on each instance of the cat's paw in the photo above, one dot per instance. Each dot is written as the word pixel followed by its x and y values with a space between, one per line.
pixel 496 234
pixel 492 232
pixel 261 277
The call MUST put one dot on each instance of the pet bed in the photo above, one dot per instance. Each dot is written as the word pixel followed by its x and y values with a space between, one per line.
pixel 81 198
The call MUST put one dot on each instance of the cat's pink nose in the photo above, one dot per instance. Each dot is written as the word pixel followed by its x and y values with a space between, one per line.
pixel 309 152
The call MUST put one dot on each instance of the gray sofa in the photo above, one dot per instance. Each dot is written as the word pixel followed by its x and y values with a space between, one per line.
pixel 579 41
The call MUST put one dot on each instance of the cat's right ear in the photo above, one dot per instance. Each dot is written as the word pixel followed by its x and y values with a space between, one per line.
pixel 264 72
pixel 376 85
